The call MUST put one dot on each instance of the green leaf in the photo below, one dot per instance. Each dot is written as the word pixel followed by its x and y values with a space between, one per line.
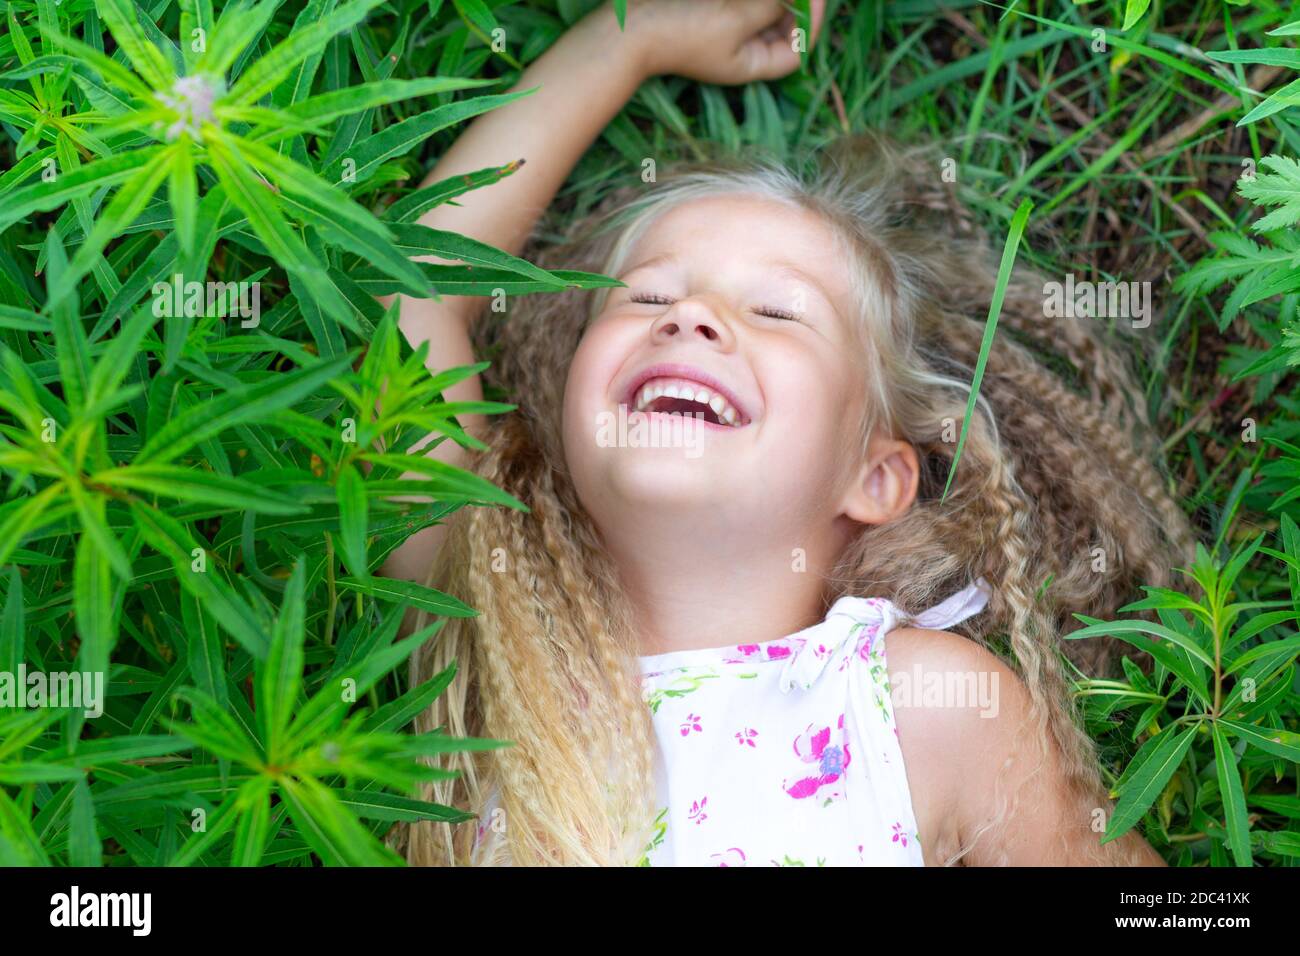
pixel 1289 647
pixel 1017 229
pixel 1133 12
pixel 397 714
pixel 416 204
pixel 205 655
pixel 254 826
pixel 44 196
pixel 255 199
pixel 193 484
pixel 1123 629
pixel 91 510
pixel 472 280
pixel 1282 743
pixel 330 106
pixel 170 538
pixel 238 406
pixel 353 509
pixel 279 678
pixel 84 847
pixel 71 347
pixel 93 600
pixel 1152 766
pixel 202 841
pixel 331 831
pixel 1234 799
pixel 402 137
pixel 19 844
pixel 330 207
pixel 1176 663
pixel 266 72
pixel 121 19
pixel 1272 56
pixel 446 482
pixel 376 805
pixel 410 594
pixel 11 625
pixel 183 195
pixel 215 729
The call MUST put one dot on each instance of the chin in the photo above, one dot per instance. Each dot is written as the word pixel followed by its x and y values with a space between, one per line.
pixel 666 476
pixel 656 480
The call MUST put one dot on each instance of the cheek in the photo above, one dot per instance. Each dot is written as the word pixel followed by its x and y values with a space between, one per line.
pixel 594 366
pixel 812 428
pixel 811 393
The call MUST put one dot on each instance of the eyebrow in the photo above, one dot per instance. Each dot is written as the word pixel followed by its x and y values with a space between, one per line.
pixel 660 259
pixel 785 267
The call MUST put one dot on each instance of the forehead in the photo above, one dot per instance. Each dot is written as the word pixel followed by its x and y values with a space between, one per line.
pixel 745 231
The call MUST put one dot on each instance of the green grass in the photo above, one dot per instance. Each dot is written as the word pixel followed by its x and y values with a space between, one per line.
pixel 222 698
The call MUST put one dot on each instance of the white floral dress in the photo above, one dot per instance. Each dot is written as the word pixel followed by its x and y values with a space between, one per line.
pixel 785 753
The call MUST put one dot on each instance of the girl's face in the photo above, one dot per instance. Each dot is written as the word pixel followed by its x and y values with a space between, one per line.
pixel 720 382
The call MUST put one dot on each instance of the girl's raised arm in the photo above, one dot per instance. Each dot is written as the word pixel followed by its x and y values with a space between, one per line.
pixel 581 83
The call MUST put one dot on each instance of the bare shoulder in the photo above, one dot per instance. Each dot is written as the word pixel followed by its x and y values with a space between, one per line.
pixel 944 687
pixel 963 717
pixel 945 682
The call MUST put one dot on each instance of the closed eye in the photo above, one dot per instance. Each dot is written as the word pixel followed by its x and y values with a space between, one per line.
pixel 778 314
pixel 652 298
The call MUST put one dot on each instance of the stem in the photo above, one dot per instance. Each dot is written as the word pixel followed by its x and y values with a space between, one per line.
pixel 334 597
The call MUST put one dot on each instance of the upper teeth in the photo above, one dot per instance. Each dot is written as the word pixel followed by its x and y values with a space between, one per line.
pixel 691 391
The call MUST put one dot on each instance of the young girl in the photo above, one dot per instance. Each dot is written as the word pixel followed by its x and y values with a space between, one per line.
pixel 763 638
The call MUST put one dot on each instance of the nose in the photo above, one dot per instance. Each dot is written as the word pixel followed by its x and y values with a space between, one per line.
pixel 691 318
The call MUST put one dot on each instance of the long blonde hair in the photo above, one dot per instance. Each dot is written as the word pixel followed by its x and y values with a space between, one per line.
pixel 1054 467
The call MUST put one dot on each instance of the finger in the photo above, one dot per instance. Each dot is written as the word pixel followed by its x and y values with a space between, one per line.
pixel 817 12
pixel 774 54
pixel 769 60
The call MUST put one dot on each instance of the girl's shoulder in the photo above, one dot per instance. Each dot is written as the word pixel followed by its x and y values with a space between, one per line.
pixel 959 710
pixel 947 683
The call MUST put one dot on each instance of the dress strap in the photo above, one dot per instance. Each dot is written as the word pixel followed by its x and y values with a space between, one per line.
pixel 837 634
pixel 965 603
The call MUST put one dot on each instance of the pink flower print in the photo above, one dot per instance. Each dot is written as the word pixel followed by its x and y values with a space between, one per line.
pixel 899 835
pixel 697 810
pixel 771 651
pixel 867 642
pixel 816 746
pixel 692 722
pixel 734 856
pixel 746 736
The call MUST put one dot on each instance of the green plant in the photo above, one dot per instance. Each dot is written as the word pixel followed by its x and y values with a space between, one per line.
pixel 184 494
pixel 1212 680
pixel 141 443
pixel 1215 709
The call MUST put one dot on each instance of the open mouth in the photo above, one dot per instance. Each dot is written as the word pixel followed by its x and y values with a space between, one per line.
pixel 677 396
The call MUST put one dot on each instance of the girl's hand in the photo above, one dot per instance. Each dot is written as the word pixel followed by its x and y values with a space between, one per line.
pixel 718 41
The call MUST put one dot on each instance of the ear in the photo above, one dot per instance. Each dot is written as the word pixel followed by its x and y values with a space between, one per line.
pixel 885 486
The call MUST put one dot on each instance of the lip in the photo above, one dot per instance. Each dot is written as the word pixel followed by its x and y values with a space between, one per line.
pixel 690 373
